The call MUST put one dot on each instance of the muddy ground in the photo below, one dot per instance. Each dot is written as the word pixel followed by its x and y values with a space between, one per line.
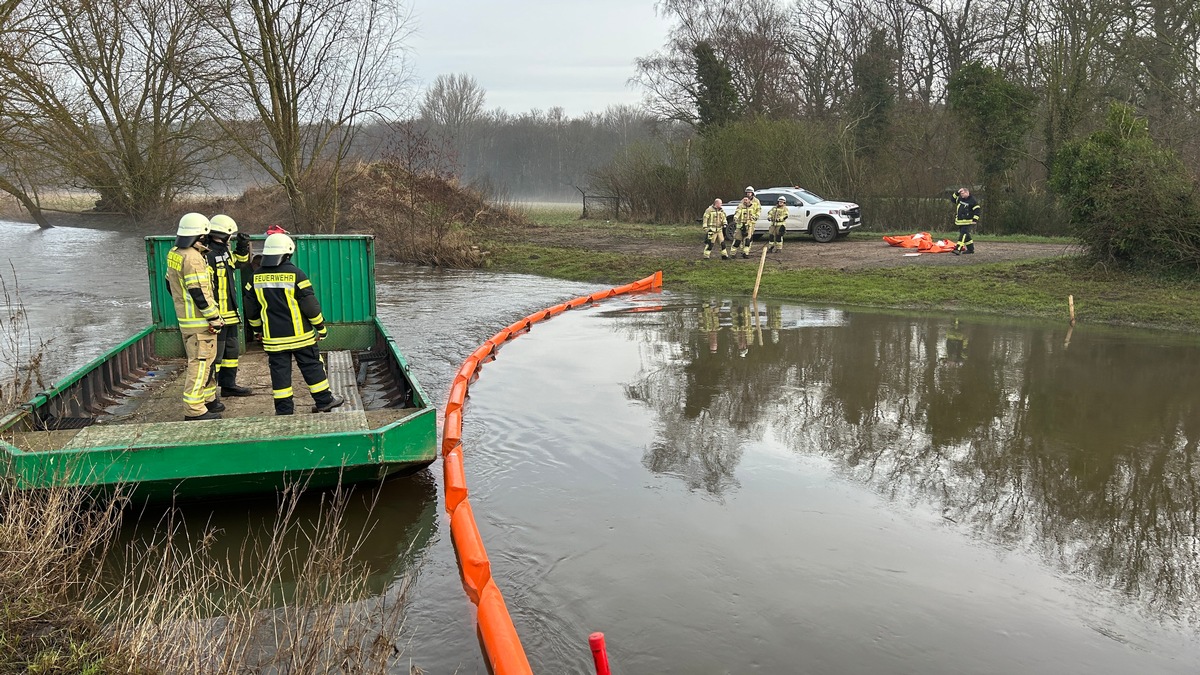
pixel 860 250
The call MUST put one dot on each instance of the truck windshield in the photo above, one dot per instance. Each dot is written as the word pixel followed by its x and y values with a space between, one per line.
pixel 808 196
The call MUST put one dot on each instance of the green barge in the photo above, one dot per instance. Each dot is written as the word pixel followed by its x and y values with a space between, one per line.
pixel 117 422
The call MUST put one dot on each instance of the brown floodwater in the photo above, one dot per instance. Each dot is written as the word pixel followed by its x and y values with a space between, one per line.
pixel 728 488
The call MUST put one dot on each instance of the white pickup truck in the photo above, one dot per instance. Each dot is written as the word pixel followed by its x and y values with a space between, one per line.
pixel 825 220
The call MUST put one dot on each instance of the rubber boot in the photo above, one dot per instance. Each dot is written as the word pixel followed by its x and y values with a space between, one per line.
pixel 210 415
pixel 327 402
pixel 227 378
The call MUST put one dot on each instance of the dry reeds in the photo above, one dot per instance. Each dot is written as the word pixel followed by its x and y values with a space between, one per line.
pixel 291 599
pixel 21 355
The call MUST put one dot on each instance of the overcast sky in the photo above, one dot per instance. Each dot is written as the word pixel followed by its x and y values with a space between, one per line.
pixel 577 54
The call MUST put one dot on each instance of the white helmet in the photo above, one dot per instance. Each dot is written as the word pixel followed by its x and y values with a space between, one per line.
pixel 749 188
pixel 223 224
pixel 192 226
pixel 276 248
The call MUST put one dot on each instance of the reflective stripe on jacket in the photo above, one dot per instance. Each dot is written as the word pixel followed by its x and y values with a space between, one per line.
pixel 714 218
pixel 188 269
pixel 224 274
pixel 777 214
pixel 744 215
pixel 967 210
pixel 280 302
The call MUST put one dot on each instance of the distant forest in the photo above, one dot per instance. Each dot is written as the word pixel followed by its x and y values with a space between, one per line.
pixel 890 103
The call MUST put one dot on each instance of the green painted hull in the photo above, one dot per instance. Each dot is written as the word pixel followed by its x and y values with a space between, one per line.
pixel 200 470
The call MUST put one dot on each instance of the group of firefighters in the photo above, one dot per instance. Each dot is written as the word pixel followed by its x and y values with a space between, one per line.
pixel 280 307
pixel 749 209
pixel 744 217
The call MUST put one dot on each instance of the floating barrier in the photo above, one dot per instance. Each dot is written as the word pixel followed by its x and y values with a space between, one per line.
pixel 499 636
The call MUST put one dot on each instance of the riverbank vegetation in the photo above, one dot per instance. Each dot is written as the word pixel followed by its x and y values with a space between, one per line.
pixel 73 599
pixel 1104 293
pixel 80 592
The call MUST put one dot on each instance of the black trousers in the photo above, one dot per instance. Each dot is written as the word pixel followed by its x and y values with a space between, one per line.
pixel 228 349
pixel 964 239
pixel 312 368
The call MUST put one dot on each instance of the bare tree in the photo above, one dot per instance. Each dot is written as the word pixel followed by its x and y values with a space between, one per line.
pixel 96 88
pixel 453 101
pixel 750 36
pixel 298 79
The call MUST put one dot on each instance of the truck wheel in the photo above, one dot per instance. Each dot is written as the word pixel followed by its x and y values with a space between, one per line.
pixel 824 231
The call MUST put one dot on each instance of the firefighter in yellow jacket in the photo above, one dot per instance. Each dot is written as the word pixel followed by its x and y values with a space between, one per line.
pixel 744 218
pixel 778 217
pixel 190 284
pixel 224 259
pixel 282 307
pixel 714 230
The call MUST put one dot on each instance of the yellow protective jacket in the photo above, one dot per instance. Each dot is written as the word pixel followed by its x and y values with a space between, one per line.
pixel 777 214
pixel 714 219
pixel 745 215
pixel 190 284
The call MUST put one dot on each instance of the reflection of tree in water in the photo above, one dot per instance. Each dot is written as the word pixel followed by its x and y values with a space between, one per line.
pixel 1085 455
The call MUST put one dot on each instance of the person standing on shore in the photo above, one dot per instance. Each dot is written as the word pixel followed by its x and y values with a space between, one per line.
pixel 778 216
pixel 755 213
pixel 190 284
pixel 743 224
pixel 714 228
pixel 966 216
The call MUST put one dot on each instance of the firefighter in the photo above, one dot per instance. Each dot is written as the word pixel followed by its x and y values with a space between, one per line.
pixel 714 229
pixel 282 308
pixel 224 270
pixel 190 285
pixel 743 224
pixel 778 217
pixel 966 216
pixel 747 231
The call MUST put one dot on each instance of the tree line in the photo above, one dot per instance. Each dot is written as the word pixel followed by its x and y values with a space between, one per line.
pixel 138 100
pixel 890 102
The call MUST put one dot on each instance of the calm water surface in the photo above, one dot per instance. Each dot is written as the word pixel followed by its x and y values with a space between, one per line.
pixel 724 488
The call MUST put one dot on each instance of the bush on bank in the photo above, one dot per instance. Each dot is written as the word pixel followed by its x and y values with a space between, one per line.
pixel 1130 201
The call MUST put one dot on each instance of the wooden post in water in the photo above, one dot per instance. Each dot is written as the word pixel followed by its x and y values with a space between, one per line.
pixel 1071 305
pixel 761 263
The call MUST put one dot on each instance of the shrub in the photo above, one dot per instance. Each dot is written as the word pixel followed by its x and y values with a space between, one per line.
pixel 1127 199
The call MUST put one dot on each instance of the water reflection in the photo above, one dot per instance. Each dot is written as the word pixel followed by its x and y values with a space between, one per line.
pixel 385 529
pixel 1085 455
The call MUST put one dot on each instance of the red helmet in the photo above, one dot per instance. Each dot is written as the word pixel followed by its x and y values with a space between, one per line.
pixel 276 229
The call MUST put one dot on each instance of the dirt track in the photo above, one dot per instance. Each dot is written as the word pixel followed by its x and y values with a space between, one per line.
pixel 861 250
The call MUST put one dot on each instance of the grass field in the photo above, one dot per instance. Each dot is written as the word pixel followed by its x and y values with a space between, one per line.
pixel 1032 288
